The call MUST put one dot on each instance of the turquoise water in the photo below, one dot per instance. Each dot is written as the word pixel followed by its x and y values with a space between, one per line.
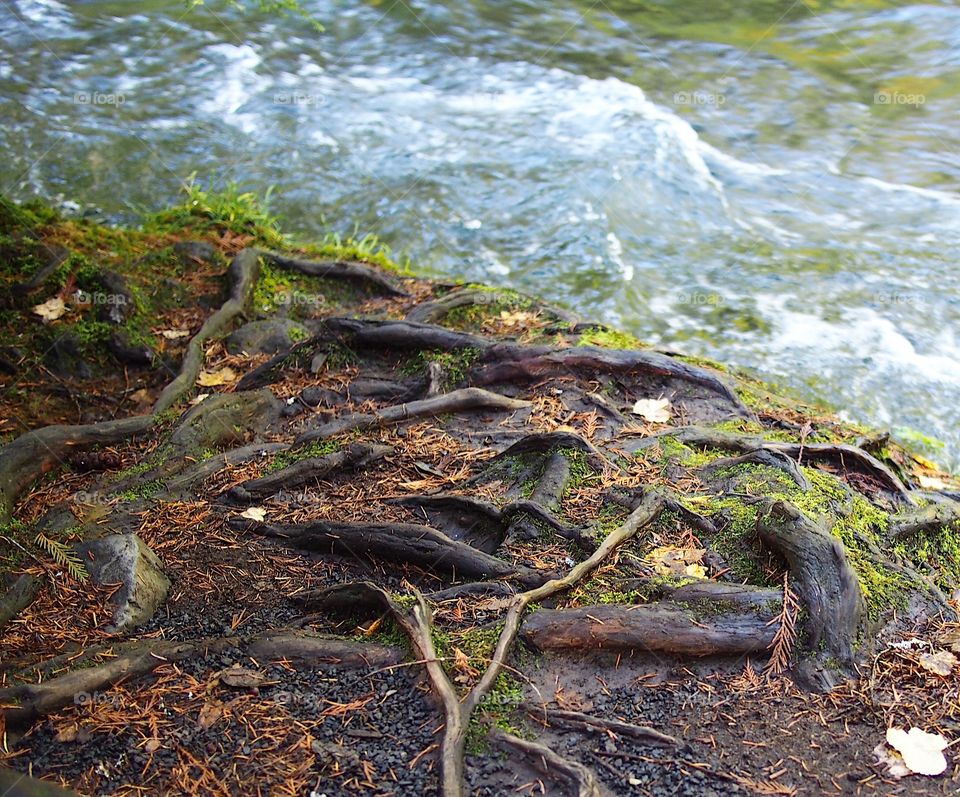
pixel 773 185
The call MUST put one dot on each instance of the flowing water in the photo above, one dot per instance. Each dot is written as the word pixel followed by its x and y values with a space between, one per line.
pixel 771 184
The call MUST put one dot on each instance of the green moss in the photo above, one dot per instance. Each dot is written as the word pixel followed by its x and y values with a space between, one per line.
pixel 318 448
pixel 141 491
pixel 455 363
pixel 611 339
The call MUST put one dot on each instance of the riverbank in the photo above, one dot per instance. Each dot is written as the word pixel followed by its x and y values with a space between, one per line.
pixel 286 477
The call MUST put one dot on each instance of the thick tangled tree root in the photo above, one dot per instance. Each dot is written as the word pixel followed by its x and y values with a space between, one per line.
pixel 515 484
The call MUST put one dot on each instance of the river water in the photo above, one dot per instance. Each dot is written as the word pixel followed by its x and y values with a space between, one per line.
pixel 771 184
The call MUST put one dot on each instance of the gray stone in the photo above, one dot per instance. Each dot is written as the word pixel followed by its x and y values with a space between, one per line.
pixel 267 337
pixel 127 559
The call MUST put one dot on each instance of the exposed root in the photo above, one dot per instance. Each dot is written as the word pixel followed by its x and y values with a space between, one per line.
pixel 356 455
pixel 663 627
pixel 17 597
pixel 464 400
pixel 586 722
pixel 241 277
pixel 422 546
pixel 35 453
pixel 762 456
pixel 335 269
pixel 581 781
pixel 824 579
pixel 930 518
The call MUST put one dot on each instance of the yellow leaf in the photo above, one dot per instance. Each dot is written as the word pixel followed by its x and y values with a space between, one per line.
pixel 223 376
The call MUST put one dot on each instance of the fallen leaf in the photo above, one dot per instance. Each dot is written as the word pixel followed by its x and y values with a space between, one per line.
pixel 922 752
pixel 653 410
pixel 672 561
pixel 222 376
pixel 51 309
pixel 242 677
pixel 197 399
pixel 175 334
pixel 425 467
pixel 209 714
pixel 152 745
pixel 940 663
pixel 257 513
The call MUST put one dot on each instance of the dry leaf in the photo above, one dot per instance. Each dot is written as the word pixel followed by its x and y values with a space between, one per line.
pixel 197 399
pixel 922 752
pixel 222 376
pixel 175 334
pixel 671 561
pixel 51 309
pixel 209 714
pixel 940 663
pixel 152 745
pixel 653 410
pixel 257 513
pixel 242 677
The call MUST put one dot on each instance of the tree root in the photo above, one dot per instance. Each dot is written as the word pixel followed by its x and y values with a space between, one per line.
pixel 356 455
pixel 663 627
pixel 17 597
pixel 32 454
pixel 517 364
pixel 585 722
pixel 24 703
pixel 335 269
pixel 762 456
pixel 464 400
pixel 841 454
pixel 822 576
pixel 422 546
pixel 579 778
pixel 930 518
pixel 435 311
pixel 241 277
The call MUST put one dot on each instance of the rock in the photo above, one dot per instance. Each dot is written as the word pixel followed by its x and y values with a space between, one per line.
pixel 127 559
pixel 266 337
pixel 317 396
pixel 130 353
pixel 65 358
pixel 190 252
pixel 15 598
